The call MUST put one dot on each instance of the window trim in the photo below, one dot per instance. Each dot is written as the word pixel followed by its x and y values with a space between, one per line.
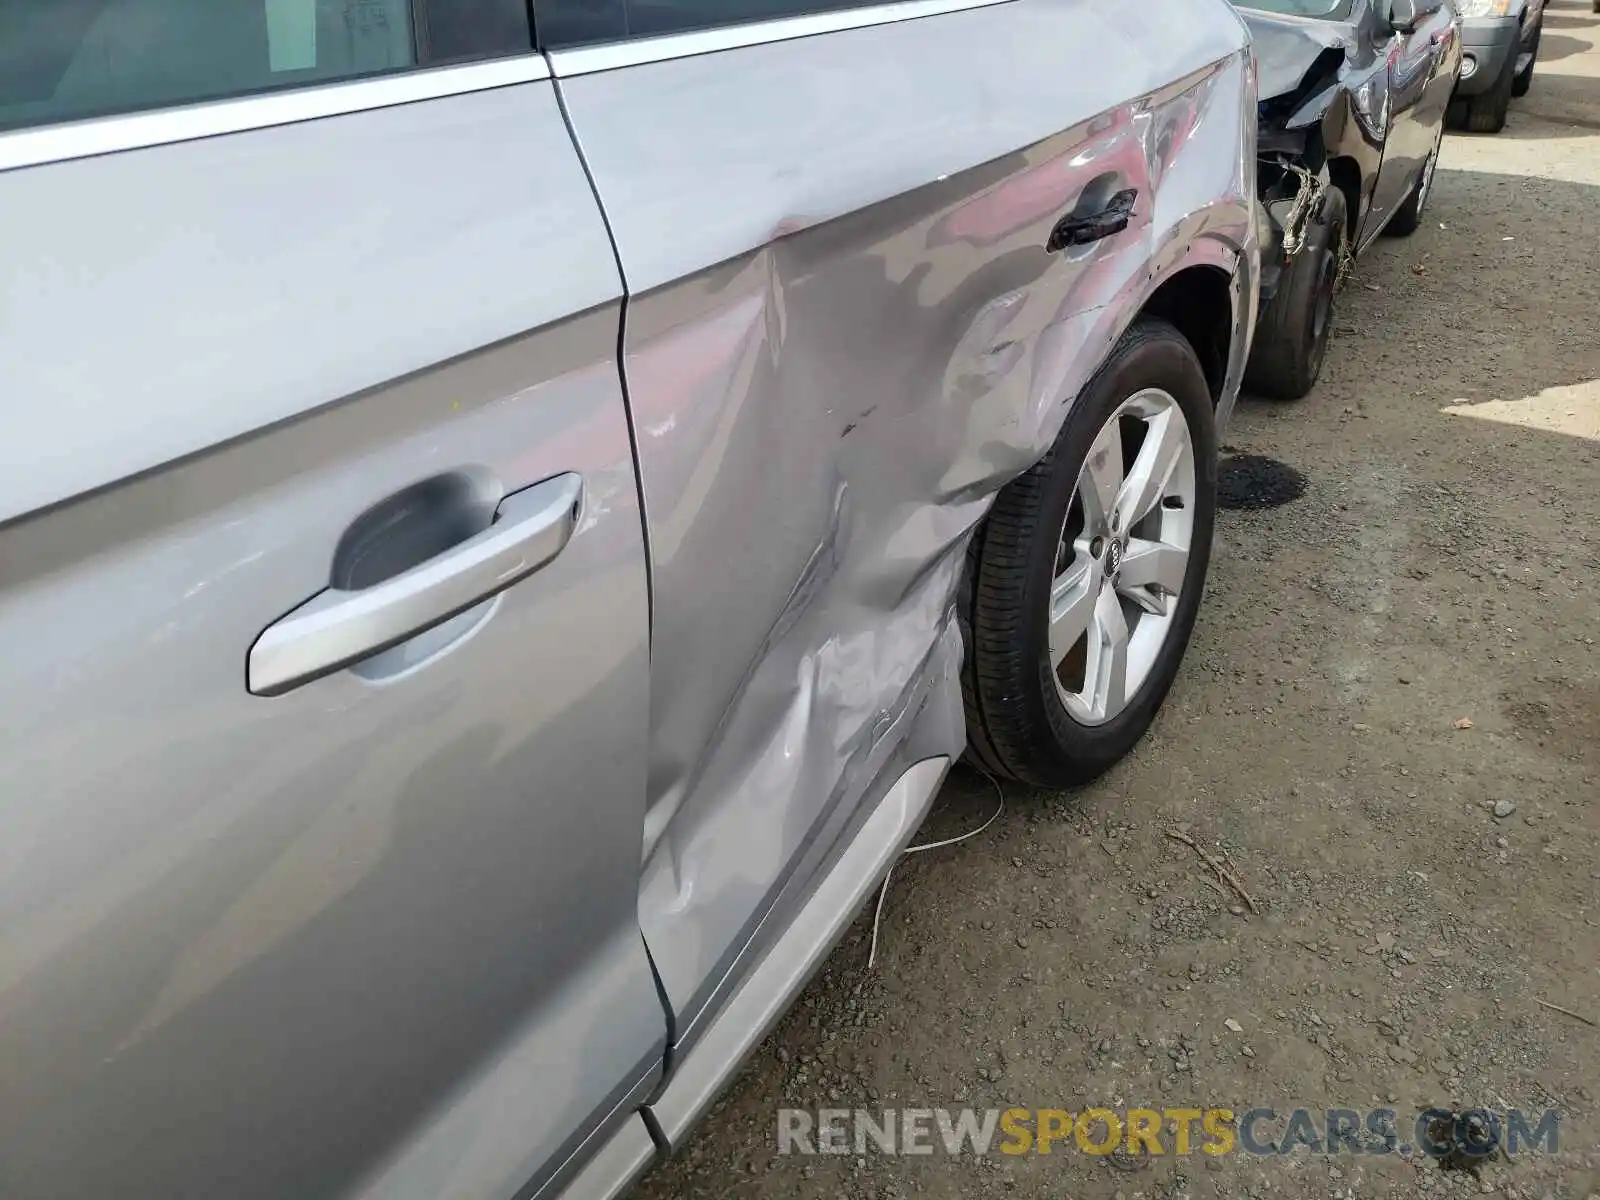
pixel 94 136
pixel 610 56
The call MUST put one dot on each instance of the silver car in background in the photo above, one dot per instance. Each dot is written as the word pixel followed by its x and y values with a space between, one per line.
pixel 488 518
pixel 1501 40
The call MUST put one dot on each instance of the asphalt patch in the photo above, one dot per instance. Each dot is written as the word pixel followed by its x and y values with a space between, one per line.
pixel 1251 481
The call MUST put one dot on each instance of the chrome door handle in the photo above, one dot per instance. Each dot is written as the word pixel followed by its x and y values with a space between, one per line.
pixel 336 627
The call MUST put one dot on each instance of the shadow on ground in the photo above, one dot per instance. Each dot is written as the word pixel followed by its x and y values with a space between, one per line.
pixel 1553 47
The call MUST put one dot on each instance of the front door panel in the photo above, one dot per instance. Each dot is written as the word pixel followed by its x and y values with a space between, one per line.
pixel 1418 93
pixel 375 935
pixel 843 334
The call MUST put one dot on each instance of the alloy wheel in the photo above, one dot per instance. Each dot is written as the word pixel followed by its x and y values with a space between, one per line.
pixel 1426 183
pixel 1123 556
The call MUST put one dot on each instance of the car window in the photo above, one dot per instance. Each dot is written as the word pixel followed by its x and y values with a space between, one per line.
pixel 1333 9
pixel 64 59
pixel 573 22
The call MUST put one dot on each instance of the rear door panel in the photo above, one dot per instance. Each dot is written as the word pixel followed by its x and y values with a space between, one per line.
pixel 843 335
pixel 377 935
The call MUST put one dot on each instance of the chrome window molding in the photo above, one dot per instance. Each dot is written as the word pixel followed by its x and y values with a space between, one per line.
pixel 190 122
pixel 586 60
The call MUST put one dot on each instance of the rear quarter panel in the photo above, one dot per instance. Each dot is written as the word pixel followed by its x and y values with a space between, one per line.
pixel 844 336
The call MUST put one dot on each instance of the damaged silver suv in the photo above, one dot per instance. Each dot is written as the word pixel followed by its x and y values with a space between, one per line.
pixel 489 520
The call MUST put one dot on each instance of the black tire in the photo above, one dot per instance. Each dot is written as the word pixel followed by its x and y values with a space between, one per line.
pixel 1407 218
pixel 1292 334
pixel 1522 81
pixel 1487 113
pixel 1017 724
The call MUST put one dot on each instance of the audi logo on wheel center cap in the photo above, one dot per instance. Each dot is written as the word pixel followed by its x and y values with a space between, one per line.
pixel 1113 557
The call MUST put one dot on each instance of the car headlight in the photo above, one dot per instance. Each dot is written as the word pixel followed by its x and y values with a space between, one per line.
pixel 1483 8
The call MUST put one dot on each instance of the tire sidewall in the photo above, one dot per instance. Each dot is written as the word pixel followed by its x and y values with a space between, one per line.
pixel 1487 113
pixel 1162 359
pixel 1522 81
pixel 1320 257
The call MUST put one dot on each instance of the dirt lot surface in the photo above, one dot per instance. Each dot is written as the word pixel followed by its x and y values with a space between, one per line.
pixel 1442 567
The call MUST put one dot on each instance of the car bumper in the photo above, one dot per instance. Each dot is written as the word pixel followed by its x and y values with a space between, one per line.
pixel 1486 44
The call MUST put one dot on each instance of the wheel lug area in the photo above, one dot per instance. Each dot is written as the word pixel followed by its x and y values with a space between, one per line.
pixel 1097 547
pixel 1115 548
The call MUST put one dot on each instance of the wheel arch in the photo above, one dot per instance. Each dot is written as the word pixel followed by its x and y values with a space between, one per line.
pixel 1345 174
pixel 1203 280
pixel 1197 300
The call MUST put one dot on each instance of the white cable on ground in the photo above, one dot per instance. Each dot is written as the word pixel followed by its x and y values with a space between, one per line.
pixel 883 889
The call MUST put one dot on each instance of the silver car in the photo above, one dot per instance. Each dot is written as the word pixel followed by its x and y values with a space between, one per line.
pixel 495 521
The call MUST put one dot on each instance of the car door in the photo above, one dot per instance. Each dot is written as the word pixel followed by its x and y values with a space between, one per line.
pixel 323 607
pixel 843 333
pixel 1418 94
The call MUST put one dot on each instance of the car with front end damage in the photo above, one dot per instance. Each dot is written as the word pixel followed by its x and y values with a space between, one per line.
pixel 1352 109
pixel 1500 47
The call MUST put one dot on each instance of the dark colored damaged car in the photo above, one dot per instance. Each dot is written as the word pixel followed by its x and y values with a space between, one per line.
pixel 1353 101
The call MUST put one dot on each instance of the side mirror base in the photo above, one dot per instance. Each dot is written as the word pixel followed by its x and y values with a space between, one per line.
pixel 1404 15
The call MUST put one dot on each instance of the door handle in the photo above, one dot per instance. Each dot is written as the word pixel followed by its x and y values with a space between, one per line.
pixel 337 627
pixel 1077 230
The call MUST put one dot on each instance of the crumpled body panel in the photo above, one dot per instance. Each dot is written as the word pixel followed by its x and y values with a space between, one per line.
pixel 1286 47
pixel 1356 103
pixel 853 346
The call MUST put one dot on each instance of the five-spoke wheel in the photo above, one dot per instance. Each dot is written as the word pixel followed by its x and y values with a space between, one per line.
pixel 1124 555
pixel 1083 583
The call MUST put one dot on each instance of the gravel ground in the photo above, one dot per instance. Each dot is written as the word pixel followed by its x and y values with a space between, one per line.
pixel 1422 883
